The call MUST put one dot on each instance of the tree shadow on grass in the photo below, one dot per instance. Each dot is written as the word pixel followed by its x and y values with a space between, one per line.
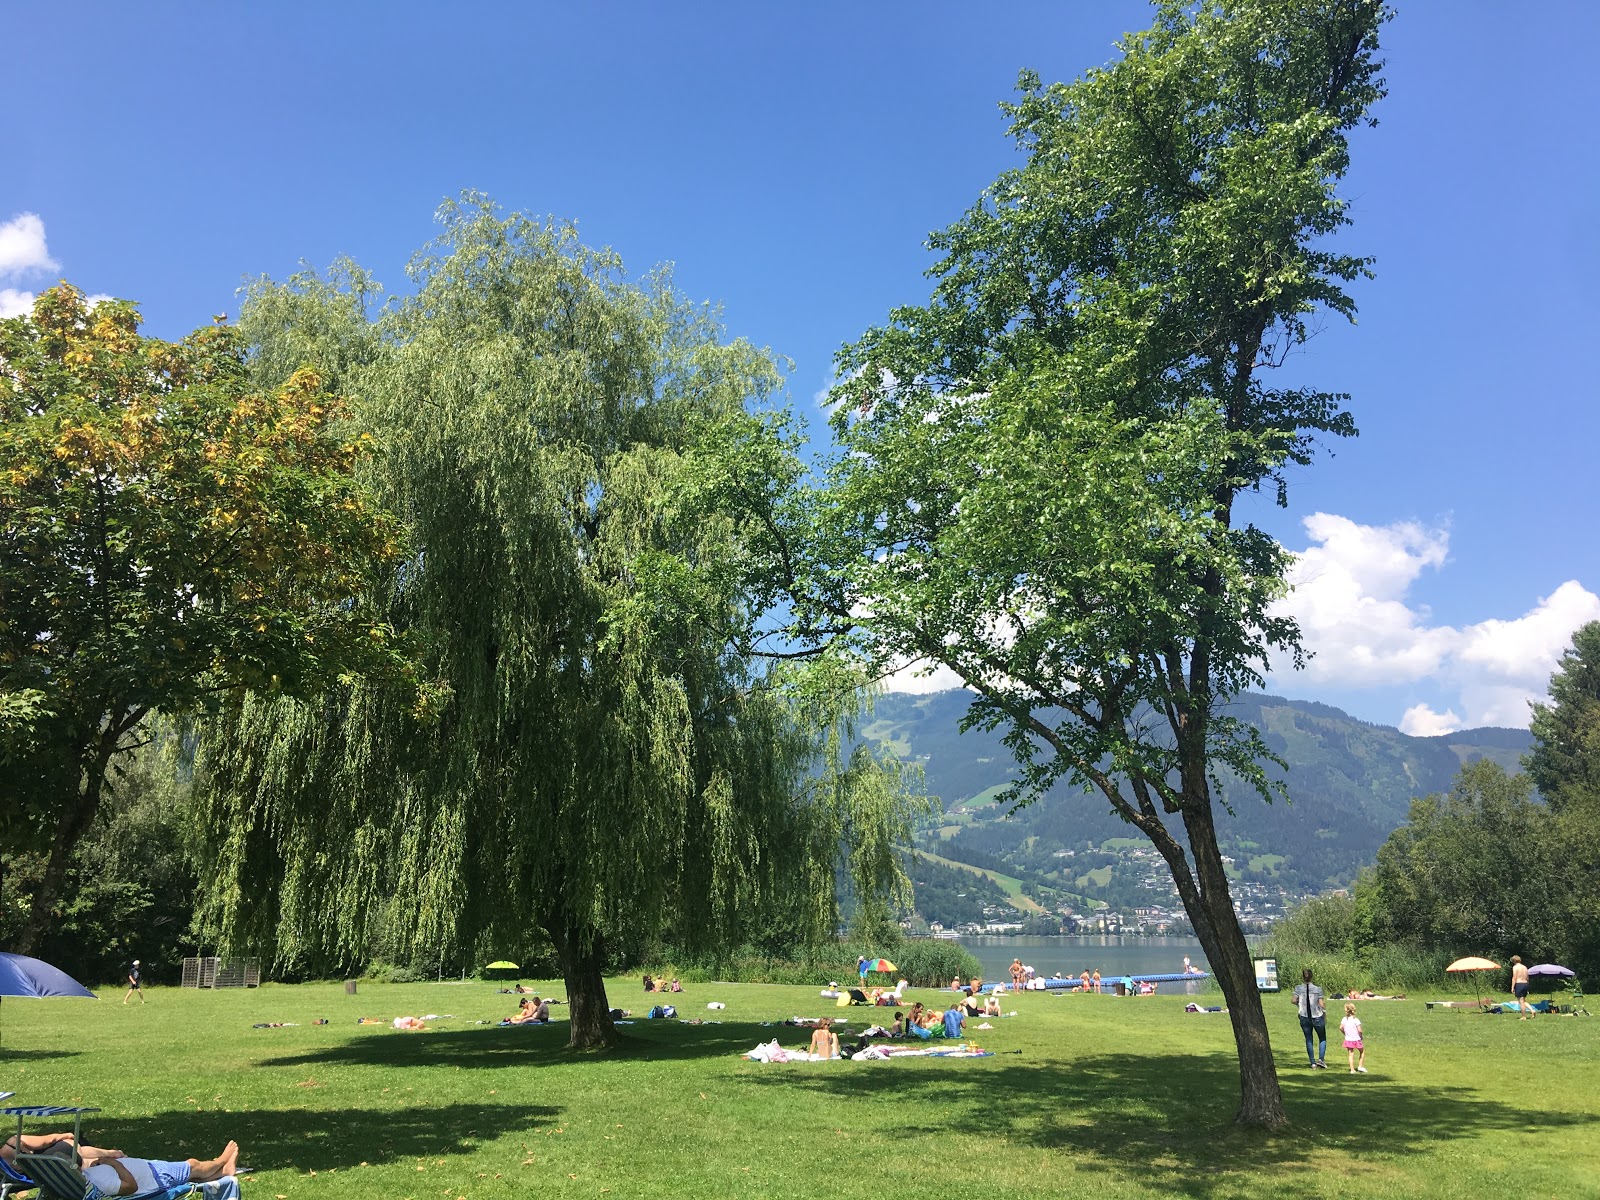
pixel 491 1047
pixel 1165 1121
pixel 34 1055
pixel 320 1140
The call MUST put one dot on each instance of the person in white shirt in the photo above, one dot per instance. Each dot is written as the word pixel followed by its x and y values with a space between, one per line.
pixel 119 1175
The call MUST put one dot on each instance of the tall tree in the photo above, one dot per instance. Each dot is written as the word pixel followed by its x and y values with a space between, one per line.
pixel 1565 766
pixel 590 478
pixel 168 536
pixel 1456 875
pixel 1565 759
pixel 1041 466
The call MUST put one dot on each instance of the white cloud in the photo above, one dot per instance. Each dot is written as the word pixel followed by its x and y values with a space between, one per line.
pixel 13 303
pixel 921 677
pixel 1422 721
pixel 22 247
pixel 1350 596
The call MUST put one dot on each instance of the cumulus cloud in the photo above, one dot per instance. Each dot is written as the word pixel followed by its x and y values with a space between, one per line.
pixel 22 247
pixel 1351 597
pixel 23 252
pixel 1421 721
pixel 14 302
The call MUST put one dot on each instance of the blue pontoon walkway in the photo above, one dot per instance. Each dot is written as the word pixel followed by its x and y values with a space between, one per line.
pixel 1106 981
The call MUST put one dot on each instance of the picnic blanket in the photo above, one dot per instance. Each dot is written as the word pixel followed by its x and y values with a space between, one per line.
pixel 771 1052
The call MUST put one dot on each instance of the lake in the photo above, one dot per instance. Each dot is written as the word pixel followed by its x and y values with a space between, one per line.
pixel 1113 954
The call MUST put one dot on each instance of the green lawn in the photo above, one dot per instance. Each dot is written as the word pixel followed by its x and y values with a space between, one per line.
pixel 1107 1098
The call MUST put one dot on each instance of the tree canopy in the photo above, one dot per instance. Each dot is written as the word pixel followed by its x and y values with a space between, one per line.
pixel 1565 760
pixel 168 536
pixel 589 477
pixel 1040 466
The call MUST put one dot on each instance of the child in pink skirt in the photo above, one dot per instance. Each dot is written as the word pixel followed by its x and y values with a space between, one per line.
pixel 1351 1028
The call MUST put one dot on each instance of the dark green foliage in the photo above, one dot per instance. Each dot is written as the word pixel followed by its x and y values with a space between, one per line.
pixel 1460 873
pixel 1486 869
pixel 129 889
pixel 1565 760
pixel 1321 925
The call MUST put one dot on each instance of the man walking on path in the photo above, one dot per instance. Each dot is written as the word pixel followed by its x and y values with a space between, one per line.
pixel 1312 1007
pixel 133 983
pixel 1519 986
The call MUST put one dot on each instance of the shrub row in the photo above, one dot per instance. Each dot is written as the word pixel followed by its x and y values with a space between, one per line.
pixel 925 962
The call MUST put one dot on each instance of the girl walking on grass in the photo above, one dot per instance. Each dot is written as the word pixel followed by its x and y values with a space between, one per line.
pixel 1351 1027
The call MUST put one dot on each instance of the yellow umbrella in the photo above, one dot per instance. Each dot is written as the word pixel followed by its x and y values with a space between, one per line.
pixel 1474 964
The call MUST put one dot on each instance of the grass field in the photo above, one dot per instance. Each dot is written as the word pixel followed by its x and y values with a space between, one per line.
pixel 1107 1098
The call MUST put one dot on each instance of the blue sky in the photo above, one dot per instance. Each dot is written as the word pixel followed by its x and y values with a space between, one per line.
pixel 790 159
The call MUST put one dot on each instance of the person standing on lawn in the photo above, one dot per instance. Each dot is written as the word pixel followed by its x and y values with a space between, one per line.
pixel 133 983
pixel 1310 1003
pixel 1354 1043
pixel 1519 986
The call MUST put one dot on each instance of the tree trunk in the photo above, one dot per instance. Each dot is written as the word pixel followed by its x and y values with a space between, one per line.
pixel 1217 926
pixel 587 1005
pixel 77 814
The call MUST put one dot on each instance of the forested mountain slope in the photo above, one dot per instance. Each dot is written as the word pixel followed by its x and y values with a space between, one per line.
pixel 1349 784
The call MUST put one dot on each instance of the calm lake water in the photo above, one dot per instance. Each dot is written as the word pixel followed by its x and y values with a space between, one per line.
pixel 1114 955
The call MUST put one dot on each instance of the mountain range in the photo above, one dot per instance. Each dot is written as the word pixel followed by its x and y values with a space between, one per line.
pixel 1349 784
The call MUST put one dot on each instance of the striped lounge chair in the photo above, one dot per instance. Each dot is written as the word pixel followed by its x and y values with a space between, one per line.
pixel 13 1180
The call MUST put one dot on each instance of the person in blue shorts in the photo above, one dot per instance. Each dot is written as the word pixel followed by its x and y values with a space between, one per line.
pixel 954 1019
pixel 1519 986
pixel 135 1176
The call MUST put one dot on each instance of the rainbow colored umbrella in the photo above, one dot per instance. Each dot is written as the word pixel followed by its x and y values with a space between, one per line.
pixel 878 964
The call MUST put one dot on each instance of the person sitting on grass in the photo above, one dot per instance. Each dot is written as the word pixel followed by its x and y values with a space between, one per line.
pixel 955 1018
pixel 898 1029
pixel 649 984
pixel 825 1042
pixel 972 1004
pixel 991 1005
pixel 532 1010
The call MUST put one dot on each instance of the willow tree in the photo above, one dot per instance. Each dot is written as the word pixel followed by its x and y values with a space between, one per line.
pixel 1042 464
pixel 590 478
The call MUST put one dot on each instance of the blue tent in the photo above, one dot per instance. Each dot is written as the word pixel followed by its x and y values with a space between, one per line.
pixel 31 978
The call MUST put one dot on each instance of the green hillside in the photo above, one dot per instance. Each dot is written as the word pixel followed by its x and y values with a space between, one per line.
pixel 1349 784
